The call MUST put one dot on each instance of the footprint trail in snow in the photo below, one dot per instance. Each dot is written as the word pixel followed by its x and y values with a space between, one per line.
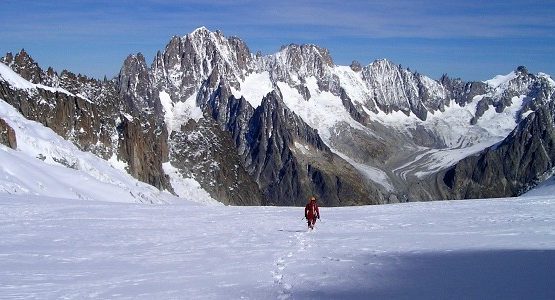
pixel 298 244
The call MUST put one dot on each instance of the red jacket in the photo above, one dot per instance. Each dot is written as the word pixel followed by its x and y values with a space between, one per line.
pixel 311 211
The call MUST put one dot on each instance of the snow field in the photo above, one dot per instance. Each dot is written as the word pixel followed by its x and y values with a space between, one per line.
pixel 55 248
pixel 254 88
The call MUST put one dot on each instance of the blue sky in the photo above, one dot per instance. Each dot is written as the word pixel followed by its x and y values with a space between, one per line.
pixel 474 40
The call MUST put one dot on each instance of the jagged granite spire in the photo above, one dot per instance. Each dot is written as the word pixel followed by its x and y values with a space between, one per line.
pixel 134 83
pixel 23 64
pixel 189 60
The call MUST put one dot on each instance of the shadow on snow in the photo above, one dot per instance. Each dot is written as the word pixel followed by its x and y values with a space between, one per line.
pixel 493 274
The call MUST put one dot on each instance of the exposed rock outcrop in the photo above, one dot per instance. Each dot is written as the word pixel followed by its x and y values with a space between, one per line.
pixel 24 65
pixel 206 153
pixel 7 135
pixel 144 147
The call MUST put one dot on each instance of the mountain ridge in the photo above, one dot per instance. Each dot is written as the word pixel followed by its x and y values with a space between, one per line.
pixel 359 115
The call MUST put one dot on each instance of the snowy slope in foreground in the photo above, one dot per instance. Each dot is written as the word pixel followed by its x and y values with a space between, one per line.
pixel 492 249
pixel 39 167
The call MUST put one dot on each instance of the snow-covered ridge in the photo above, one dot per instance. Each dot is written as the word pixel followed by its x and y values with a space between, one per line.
pixel 381 86
pixel 17 82
pixel 500 81
pixel 59 169
pixel 368 103
pixel 13 79
pixel 47 165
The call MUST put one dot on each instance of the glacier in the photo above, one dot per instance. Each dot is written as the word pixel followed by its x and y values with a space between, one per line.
pixel 71 249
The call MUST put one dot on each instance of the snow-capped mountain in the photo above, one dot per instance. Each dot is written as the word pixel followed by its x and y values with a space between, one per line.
pixel 273 129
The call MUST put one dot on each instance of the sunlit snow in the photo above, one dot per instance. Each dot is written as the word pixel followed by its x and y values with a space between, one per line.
pixel 486 249
pixel 501 80
pixel 254 88
pixel 179 113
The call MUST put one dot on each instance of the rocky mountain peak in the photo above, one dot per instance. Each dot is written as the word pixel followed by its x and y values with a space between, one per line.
pixel 7 59
pixel 189 60
pixel 383 72
pixel 356 66
pixel 389 83
pixel 23 64
pixel 232 128
pixel 294 63
pixel 399 89
pixel 302 60
pixel 134 82
pixel 133 71
pixel 202 30
pixel 295 54
pixel 383 65
pixel 521 70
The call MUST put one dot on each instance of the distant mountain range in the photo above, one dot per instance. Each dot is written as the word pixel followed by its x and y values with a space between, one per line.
pixel 254 129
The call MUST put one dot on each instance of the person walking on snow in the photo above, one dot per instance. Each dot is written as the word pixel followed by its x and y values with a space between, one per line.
pixel 311 212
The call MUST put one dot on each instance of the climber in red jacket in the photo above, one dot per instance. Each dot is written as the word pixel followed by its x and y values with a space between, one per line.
pixel 311 212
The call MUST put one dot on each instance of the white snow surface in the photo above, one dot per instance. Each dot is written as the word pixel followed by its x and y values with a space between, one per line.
pixel 462 138
pixel 179 113
pixel 39 166
pixel 187 188
pixel 323 111
pixel 374 174
pixel 478 249
pixel 254 88
pixel 355 87
pixel 18 82
pixel 14 79
pixel 501 80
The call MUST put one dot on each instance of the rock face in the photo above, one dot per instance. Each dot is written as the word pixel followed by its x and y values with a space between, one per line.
pixel 267 139
pixel 7 135
pixel 291 162
pixel 208 66
pixel 203 151
pixel 144 148
pixel 93 125
pixel 134 86
pixel 256 129
pixel 187 61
